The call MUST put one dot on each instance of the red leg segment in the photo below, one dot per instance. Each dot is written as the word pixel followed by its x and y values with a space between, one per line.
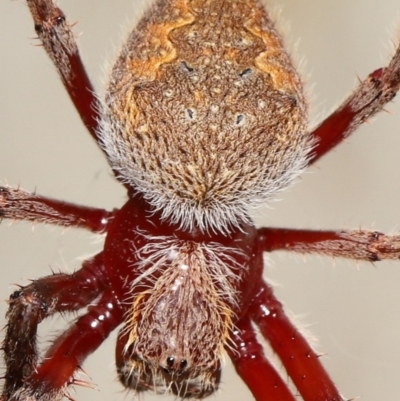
pixel 370 97
pixel 17 204
pixel 59 42
pixel 68 352
pixel 353 244
pixel 33 303
pixel 256 371
pixel 298 358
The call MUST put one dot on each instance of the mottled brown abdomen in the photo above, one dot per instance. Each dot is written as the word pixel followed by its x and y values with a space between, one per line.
pixel 204 112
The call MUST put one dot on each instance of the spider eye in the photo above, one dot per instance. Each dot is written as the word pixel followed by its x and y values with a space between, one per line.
pixel 170 361
pixel 172 366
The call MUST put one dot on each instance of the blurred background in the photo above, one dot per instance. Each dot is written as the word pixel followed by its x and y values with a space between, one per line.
pixel 353 309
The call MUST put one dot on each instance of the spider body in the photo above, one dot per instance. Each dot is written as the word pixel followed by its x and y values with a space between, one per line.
pixel 180 271
pixel 204 116
pixel 181 128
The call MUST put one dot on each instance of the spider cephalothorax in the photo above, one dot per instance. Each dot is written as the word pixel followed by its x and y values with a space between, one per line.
pixel 185 294
pixel 204 117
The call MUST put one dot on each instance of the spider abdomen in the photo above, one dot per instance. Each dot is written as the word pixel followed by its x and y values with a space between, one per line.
pixel 204 112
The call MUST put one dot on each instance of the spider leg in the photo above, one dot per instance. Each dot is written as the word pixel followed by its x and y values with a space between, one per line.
pixel 353 244
pixel 58 40
pixel 51 378
pixel 299 359
pixel 17 204
pixel 42 298
pixel 255 370
pixel 370 96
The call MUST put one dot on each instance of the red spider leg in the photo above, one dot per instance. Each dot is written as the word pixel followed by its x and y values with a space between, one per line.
pixel 256 371
pixel 69 350
pixel 17 204
pixel 58 40
pixel 37 301
pixel 299 359
pixel 297 356
pixel 353 244
pixel 369 97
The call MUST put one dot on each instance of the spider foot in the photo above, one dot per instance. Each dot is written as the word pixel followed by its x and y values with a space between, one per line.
pixel 39 392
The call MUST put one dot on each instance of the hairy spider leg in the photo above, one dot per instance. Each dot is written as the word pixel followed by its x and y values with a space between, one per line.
pixel 48 295
pixel 360 244
pixel 368 98
pixel 39 300
pixel 17 204
pixel 58 40
pixel 65 356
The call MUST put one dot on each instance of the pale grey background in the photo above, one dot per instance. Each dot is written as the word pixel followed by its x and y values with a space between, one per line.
pixel 353 309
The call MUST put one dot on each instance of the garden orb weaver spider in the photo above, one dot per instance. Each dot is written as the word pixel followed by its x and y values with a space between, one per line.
pixel 366 220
